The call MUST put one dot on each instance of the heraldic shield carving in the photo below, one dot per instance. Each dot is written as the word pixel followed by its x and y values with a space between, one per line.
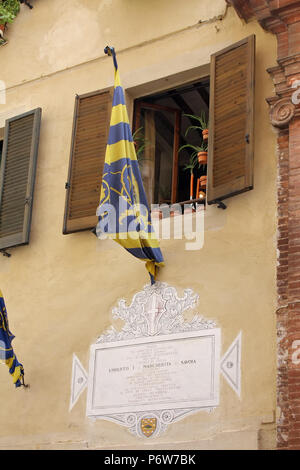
pixel 148 426
pixel 159 367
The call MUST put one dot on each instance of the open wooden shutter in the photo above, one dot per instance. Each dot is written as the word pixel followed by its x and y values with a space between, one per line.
pixel 89 139
pixel 17 176
pixel 231 112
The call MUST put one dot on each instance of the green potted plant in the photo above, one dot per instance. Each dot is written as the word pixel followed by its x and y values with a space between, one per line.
pixel 199 151
pixel 202 124
pixel 140 143
pixel 202 154
pixel 8 11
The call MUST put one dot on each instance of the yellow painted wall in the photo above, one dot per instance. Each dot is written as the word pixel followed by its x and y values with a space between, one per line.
pixel 60 289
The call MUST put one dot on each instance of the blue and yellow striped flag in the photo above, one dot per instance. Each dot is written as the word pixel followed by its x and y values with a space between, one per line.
pixel 123 210
pixel 7 355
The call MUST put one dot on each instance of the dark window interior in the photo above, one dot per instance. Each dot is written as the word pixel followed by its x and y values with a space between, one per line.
pixel 163 123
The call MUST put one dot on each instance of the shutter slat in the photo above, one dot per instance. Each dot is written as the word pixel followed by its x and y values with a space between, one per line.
pixel 231 55
pixel 86 183
pixel 228 140
pixel 233 100
pixel 230 84
pixel 11 197
pixel 88 148
pixel 230 157
pixel 17 177
pixel 87 139
pixel 13 222
pixel 18 165
pixel 90 118
pixel 239 130
pixel 90 134
pixel 85 192
pixel 86 166
pixel 91 157
pixel 21 142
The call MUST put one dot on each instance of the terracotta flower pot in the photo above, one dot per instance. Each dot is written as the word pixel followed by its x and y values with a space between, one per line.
pixel 198 188
pixel 203 181
pixel 188 210
pixel 174 213
pixel 202 158
pixel 156 214
pixel 205 134
pixel 2 29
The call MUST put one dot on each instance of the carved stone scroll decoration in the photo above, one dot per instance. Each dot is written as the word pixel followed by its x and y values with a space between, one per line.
pixel 282 112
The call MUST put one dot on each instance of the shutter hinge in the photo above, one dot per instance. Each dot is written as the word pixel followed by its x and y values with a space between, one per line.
pixel 67 185
pixel 221 205
pixel 8 255
pixel 247 138
pixel 27 3
pixel 28 200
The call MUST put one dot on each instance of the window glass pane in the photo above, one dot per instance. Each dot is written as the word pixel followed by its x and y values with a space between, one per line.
pixel 156 161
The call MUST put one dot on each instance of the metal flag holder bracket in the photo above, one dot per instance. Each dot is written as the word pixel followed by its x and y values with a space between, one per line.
pixel 221 205
pixel 23 383
pixel 26 3
pixel 110 51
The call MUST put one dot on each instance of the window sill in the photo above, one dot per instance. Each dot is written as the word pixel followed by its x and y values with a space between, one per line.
pixel 164 211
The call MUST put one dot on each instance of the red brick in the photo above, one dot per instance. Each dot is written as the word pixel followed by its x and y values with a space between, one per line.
pixel 276 15
pixel 295 426
pixel 294 444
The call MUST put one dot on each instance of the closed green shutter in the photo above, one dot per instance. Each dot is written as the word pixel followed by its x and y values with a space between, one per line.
pixel 17 177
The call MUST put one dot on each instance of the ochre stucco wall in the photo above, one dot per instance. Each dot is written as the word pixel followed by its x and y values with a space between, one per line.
pixel 60 289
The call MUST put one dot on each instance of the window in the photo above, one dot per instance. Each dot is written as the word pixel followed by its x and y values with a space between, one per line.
pixel 17 176
pixel 226 97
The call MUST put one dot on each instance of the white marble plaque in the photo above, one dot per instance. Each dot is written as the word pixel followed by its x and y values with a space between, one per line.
pixel 174 371
pixel 159 367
